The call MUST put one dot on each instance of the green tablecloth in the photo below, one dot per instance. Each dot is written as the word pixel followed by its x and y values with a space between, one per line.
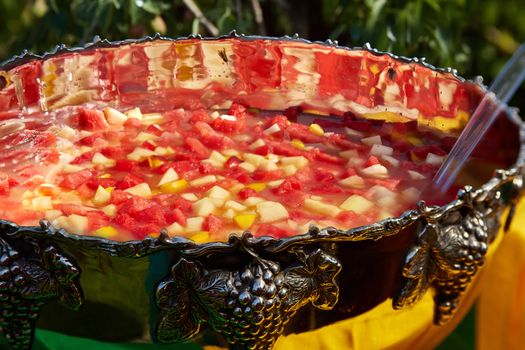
pixel 461 339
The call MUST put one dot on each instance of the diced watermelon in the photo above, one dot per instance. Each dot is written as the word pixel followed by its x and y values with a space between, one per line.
pixel 288 186
pixel 262 151
pixel 132 123
pixel 148 145
pixel 85 192
pixel 272 231
pixel 212 224
pixel 232 162
pixel 94 182
pixel 348 219
pixel 239 174
pixel 372 160
pixel 119 197
pixel 154 130
pixel 175 215
pixel 74 180
pixel 113 152
pixel 246 193
pixel 261 175
pixel 238 111
pixel 89 140
pixel 152 215
pixel 128 181
pixel 199 115
pixel 4 184
pixel 91 119
pixel 69 208
pixel 135 204
pixel 301 132
pixel 83 158
pixel 197 147
pixel 291 113
pixel 228 126
pixel 97 219
pixel 125 165
pixel 33 182
pixel 327 158
pixel 326 188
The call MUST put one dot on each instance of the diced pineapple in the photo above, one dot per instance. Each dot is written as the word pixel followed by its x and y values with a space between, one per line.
pixel 249 167
pixel 267 165
pixel 205 180
pixel 141 190
pixel 169 176
pixel 271 211
pixel 299 162
pixel 255 159
pixel 217 202
pixel 244 221
pixel 140 154
pixel 134 113
pixel 114 117
pixel 102 196
pixel 152 118
pixel 77 223
pixel 100 159
pixel 194 224
pixel 42 203
pixel 200 237
pixel 164 151
pixel 218 192
pixel 289 170
pixel 174 186
pixel 257 186
pixel 316 129
pixel 175 229
pixel 110 210
pixel 190 197
pixel 106 232
pixel 376 170
pixel 372 140
pixel 257 144
pixel 252 201
pixel 275 183
pixel 357 204
pixel 203 207
pixel 321 208
pixel 144 136
pixel 353 181
pixel 236 188
pixel 70 168
pixel 234 205
pixel 380 150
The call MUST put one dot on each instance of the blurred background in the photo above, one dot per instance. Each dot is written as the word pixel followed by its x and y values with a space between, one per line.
pixel 474 36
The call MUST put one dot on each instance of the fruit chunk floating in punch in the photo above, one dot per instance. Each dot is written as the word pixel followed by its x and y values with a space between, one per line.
pixel 204 174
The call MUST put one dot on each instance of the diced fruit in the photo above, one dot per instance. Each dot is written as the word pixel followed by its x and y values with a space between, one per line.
pixel 271 211
pixel 175 229
pixel 134 113
pixel 91 119
pixel 151 118
pixel 70 168
pixel 390 160
pixel 434 159
pixel 299 162
pixel 74 180
pixel 316 129
pixel 289 170
pixel 200 237
pixel 321 208
pixel 203 207
pixel 234 205
pixel 381 150
pixel 414 175
pixel 102 196
pixel 189 196
pixel 140 154
pixel 353 181
pixel 376 170
pixel 100 159
pixel 141 190
pixel 297 144
pixel 42 203
pixel 357 204
pixel 110 210
pixel 205 180
pixel 257 186
pixel 174 186
pixel 218 193
pixel 169 176
pixel 372 140
pixel 114 117
pixel 244 221
pixel 194 224
pixel 247 166
pixel 106 232
pixel 77 223
pixel 212 224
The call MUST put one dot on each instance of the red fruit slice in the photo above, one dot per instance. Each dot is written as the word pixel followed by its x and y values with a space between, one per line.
pixel 197 147
pixel 246 193
pixel 97 219
pixel 91 119
pixel 212 224
pixel 74 180
pixel 128 181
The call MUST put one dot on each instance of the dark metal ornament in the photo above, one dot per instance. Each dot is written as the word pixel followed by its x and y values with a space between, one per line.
pixel 32 272
pixel 248 306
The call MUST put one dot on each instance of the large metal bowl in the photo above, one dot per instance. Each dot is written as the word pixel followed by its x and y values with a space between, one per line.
pixel 391 280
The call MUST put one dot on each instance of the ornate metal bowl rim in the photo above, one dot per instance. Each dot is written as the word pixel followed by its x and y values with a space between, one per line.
pixel 186 247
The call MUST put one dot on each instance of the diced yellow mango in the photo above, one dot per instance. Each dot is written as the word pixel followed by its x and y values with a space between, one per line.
pixel 316 129
pixel 174 186
pixel 244 221
pixel 297 143
pixel 155 163
pixel 257 186
pixel 105 176
pixel 106 232
pixel 200 237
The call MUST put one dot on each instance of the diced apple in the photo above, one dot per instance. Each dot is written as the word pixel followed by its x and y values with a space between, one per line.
pixel 274 158
pixel 190 197
pixel 271 211
pixel 257 144
pixel 110 210
pixel 354 181
pixel 390 160
pixel 169 176
pixel 272 129
pixel 71 168
pixel 134 113
pixel 140 154
pixel 61 222
pixel 383 196
pixel 214 115
pixel 348 154
pixel 414 175
pixel 244 221
pixel 217 157
pixel 42 203
pixel 217 202
pixel 411 194
pixel 77 223
pixel 114 117
pixel 357 204
pixel 267 165
pixel 205 180
pixel 234 205
pixel 100 159
pixel 254 159
pixel 141 190
pixel 67 133
pixel 289 170
pixel 228 117
pixel 203 207
pixel 376 170
pixel 380 150
pixel 152 118
pixel 52 214
pixel 102 196
pixel 164 151
pixel 252 201
pixel 434 159
pixel 299 162
pixel 229 214
pixel 372 140
pixel 194 224
pixel 276 183
pixel 230 152
pixel 354 133
pixel 321 208
pixel 144 136
pixel 175 229
pixel 249 167
pixel 218 192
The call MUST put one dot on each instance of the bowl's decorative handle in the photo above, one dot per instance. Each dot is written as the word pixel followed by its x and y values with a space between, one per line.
pixel 450 249
pixel 32 272
pixel 249 306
